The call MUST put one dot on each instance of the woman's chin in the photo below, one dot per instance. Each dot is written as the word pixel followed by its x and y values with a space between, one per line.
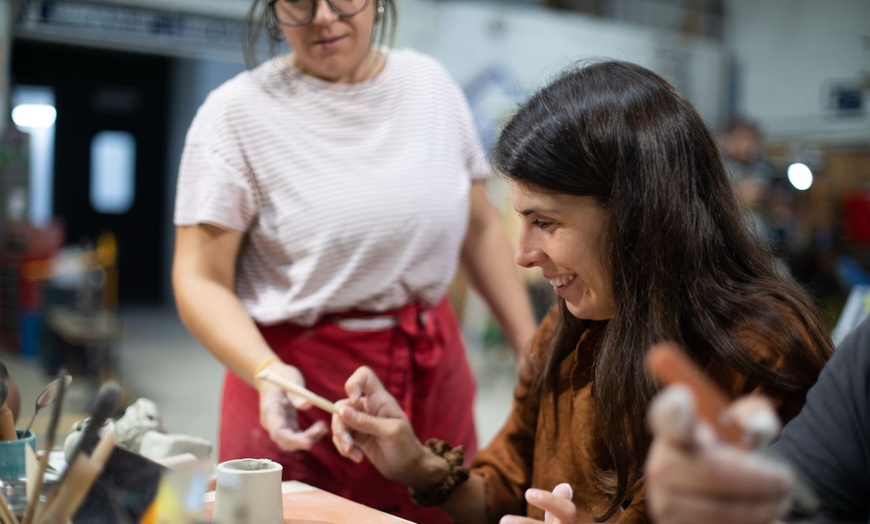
pixel 585 311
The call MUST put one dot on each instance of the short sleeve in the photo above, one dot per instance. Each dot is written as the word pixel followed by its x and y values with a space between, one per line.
pixel 474 156
pixel 215 185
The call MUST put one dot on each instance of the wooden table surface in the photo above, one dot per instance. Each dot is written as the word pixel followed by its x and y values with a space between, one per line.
pixel 305 504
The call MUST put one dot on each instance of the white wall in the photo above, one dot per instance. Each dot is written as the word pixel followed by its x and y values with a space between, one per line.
pixel 787 51
pixel 530 45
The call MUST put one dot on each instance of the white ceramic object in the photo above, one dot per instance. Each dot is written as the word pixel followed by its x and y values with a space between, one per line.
pixel 248 492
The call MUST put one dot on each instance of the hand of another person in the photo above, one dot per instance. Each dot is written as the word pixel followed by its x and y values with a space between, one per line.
pixel 692 476
pixel 558 507
pixel 370 423
pixel 278 412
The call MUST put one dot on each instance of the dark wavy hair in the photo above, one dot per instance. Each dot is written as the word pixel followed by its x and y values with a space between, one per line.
pixel 261 23
pixel 685 265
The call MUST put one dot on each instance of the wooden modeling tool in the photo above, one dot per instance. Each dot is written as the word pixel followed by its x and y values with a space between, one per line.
pixel 101 408
pixel 299 391
pixel 80 476
pixel 81 470
pixel 7 420
pixel 6 514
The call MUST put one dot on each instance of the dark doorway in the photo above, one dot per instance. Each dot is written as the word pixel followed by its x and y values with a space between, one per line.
pixel 98 91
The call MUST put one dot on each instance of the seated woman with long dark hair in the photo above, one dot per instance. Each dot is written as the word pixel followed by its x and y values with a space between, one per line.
pixel 627 209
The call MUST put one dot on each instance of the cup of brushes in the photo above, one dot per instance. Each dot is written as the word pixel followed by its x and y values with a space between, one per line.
pixel 101 483
pixel 13 455
pixel 17 448
pixel 12 447
pixel 22 474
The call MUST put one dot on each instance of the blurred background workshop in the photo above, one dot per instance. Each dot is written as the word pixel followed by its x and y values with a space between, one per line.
pixel 96 97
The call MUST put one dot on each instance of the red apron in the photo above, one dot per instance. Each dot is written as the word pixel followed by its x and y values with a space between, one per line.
pixel 422 362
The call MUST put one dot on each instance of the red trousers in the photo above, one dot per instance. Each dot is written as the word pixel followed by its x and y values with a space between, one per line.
pixel 422 363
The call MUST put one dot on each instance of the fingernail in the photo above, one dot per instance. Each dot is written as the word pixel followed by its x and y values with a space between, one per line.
pixel 762 428
pixel 533 494
pixel 346 413
pixel 672 413
pixel 566 489
pixel 347 440
pixel 354 395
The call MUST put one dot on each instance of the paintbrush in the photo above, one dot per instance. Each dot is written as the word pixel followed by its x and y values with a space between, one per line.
pixel 102 407
pixel 51 432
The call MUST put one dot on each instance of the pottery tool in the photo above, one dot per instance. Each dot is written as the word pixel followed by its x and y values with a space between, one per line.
pixel 50 434
pixel 6 514
pixel 669 365
pixel 103 406
pixel 126 486
pixel 7 419
pixel 47 396
pixel 299 391
pixel 80 476
pixel 7 424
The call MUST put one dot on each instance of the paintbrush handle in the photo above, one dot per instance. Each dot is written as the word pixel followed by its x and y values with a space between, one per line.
pixel 75 487
pixel 33 501
pixel 7 424
pixel 299 391
pixel 6 513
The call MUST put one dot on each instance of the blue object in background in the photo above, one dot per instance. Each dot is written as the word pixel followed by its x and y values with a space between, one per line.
pixel 850 273
pixel 31 332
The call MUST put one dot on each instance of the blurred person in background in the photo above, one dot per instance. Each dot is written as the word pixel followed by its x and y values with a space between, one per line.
pixel 754 182
pixel 325 199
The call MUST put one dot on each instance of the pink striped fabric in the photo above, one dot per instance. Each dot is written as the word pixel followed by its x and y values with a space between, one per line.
pixel 354 196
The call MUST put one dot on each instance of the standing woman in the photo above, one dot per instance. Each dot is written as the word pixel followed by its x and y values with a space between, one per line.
pixel 325 198
pixel 626 209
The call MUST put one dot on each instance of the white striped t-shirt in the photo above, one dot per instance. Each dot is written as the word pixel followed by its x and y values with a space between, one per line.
pixel 353 196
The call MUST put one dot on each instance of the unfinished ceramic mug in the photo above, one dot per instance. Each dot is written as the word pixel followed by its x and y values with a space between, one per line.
pixel 248 492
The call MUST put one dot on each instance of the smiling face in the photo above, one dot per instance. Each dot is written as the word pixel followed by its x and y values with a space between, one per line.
pixel 334 48
pixel 564 236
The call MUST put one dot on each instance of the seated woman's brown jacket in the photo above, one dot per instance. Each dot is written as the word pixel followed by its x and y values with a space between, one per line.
pixel 532 451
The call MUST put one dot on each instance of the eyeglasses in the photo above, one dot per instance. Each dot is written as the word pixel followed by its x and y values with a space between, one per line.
pixel 295 13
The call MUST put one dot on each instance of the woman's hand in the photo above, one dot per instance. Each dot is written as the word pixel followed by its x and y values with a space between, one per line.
pixel 558 507
pixel 692 476
pixel 278 412
pixel 370 423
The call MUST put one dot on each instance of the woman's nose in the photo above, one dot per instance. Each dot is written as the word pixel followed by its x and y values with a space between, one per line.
pixel 324 14
pixel 527 255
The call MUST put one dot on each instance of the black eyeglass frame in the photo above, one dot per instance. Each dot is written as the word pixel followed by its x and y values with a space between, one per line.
pixel 314 3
